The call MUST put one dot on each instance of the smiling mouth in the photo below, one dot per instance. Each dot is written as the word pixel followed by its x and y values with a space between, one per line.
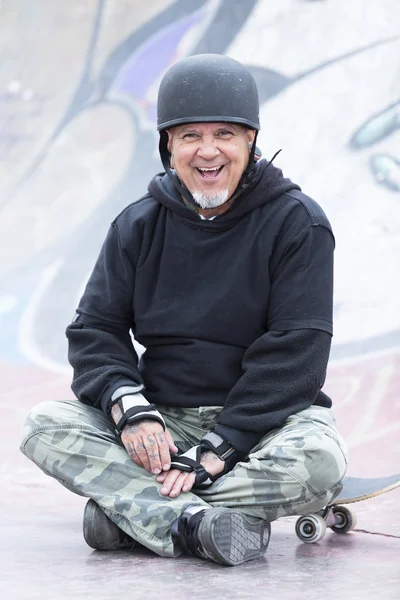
pixel 209 172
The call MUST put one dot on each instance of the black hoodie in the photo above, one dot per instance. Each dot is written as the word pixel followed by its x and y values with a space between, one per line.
pixel 233 312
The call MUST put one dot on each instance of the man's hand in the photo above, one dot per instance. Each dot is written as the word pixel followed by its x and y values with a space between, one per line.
pixel 176 481
pixel 147 443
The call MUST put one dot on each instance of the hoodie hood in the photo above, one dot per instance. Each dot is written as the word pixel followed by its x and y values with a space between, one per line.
pixel 265 184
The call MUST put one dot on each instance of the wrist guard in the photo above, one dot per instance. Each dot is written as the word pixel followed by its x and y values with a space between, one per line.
pixel 190 460
pixel 134 407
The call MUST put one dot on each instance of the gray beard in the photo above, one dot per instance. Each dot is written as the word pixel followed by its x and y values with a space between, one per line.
pixel 210 200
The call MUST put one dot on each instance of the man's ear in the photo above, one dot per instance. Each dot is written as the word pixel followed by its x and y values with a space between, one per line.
pixel 169 145
pixel 251 134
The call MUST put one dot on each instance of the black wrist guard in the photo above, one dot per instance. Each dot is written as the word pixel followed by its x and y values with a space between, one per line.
pixel 135 408
pixel 222 448
pixel 190 460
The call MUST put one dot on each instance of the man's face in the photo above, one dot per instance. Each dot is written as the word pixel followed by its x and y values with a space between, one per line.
pixel 210 158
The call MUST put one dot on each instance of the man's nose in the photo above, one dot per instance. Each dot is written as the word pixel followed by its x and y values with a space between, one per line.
pixel 208 151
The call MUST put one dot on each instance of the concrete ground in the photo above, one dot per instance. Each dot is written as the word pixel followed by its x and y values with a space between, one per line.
pixel 78 84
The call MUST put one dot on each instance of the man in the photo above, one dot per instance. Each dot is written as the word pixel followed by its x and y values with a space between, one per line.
pixel 223 272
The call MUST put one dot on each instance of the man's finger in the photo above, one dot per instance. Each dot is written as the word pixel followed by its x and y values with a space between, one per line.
pixel 153 455
pixel 170 441
pixel 141 453
pixel 189 482
pixel 179 483
pixel 170 479
pixel 162 477
pixel 163 447
pixel 129 447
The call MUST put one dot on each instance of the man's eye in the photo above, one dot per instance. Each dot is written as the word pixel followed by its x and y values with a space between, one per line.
pixel 190 136
pixel 224 133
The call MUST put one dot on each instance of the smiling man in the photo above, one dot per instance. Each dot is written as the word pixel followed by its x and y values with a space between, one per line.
pixel 223 272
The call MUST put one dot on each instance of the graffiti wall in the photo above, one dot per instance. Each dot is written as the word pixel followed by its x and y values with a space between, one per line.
pixel 78 95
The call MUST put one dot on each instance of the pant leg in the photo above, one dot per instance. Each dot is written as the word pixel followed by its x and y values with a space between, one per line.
pixel 292 471
pixel 76 445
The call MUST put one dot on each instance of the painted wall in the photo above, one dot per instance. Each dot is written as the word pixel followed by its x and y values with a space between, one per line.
pixel 78 88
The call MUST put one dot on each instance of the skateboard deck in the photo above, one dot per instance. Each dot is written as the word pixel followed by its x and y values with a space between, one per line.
pixel 337 515
pixel 356 489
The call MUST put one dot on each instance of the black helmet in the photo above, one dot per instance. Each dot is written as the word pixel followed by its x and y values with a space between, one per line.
pixel 208 88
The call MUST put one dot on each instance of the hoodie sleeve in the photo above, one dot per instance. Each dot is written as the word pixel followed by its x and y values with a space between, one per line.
pixel 283 373
pixel 284 369
pixel 100 348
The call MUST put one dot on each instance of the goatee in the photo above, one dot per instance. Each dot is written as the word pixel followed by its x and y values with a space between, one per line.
pixel 212 200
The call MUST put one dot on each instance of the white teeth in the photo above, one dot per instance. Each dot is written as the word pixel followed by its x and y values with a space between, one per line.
pixel 209 168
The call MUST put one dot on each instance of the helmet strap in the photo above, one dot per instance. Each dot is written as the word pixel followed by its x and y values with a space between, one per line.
pixel 250 164
pixel 274 157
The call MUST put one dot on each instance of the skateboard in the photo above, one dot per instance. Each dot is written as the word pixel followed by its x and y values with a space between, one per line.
pixel 337 515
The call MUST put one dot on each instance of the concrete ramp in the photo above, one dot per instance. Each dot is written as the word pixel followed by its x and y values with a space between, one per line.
pixel 78 88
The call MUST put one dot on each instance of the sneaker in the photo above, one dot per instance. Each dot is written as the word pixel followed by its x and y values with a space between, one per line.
pixel 101 533
pixel 223 535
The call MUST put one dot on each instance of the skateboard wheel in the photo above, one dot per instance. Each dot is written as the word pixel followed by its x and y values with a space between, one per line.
pixel 346 519
pixel 310 528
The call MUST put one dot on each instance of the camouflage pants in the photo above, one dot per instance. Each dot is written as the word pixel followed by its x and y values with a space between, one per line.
pixel 292 470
